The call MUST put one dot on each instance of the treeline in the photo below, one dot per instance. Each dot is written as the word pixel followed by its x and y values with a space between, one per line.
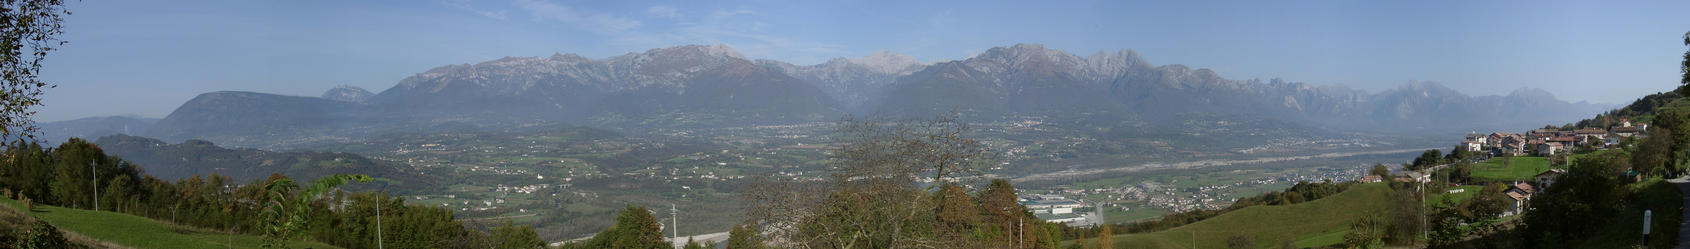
pixel 78 174
pixel 1636 112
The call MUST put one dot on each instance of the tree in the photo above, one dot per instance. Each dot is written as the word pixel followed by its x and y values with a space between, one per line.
pixel 1684 69
pixel 1405 213
pixel 1240 241
pixel 42 236
pixel 871 197
pixel 957 211
pixel 1427 159
pixel 1365 233
pixel 635 228
pixel 29 29
pixel 510 236
pixel 1578 204
pixel 692 244
pixel 1381 170
pixel 287 206
pixel 1105 238
pixel 1655 151
pixel 1459 153
pixel 744 237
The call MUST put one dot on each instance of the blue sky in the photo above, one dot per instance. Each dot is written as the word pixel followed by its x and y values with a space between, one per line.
pixel 147 57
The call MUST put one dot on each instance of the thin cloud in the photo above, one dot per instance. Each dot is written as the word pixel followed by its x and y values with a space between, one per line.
pixel 663 11
pixel 724 14
pixel 465 6
pixel 542 10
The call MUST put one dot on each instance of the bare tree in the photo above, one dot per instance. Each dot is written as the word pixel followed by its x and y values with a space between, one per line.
pixel 874 195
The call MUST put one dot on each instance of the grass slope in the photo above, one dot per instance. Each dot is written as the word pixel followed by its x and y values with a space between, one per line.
pixel 1519 168
pixel 1654 194
pixel 1467 192
pixel 1310 224
pixel 139 232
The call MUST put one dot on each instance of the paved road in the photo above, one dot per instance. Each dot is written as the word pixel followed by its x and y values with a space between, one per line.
pixel 1683 183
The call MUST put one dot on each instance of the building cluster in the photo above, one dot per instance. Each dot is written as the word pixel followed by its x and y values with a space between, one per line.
pixel 1053 208
pixel 1549 141
pixel 1520 193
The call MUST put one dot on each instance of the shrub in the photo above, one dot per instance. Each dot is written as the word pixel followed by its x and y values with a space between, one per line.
pixel 42 235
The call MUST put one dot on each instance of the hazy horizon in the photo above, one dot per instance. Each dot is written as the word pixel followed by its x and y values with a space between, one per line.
pixel 155 56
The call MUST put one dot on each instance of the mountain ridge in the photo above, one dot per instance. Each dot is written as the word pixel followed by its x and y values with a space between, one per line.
pixel 702 86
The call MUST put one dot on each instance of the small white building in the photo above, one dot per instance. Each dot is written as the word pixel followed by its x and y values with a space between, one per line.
pixel 1062 218
pixel 1052 206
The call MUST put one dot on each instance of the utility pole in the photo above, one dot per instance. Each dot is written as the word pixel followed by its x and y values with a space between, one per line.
pixel 378 214
pixel 96 174
pixel 674 222
pixel 1425 222
pixel 1193 239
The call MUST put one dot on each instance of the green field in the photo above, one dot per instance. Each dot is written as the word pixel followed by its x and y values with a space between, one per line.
pixel 1311 224
pixel 138 232
pixel 1518 168
pixel 1467 191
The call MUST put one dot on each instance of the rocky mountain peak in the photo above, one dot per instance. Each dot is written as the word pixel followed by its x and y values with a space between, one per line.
pixel 694 52
pixel 889 63
pixel 1531 93
pixel 348 93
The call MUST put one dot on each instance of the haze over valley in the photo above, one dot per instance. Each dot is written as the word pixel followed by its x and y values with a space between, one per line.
pixel 1090 124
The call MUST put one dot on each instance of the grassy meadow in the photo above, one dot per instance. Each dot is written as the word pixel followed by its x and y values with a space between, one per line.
pixel 1310 224
pixel 138 232
pixel 1518 168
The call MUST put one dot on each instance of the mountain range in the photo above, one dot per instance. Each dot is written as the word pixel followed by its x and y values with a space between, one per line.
pixel 699 86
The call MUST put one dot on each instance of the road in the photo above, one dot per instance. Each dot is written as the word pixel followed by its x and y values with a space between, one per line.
pixel 680 242
pixel 1198 164
pixel 1683 183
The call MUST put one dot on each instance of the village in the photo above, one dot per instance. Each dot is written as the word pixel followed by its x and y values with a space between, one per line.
pixel 1528 163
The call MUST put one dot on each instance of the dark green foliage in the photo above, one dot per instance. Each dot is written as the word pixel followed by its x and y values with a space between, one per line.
pixel 511 236
pixel 745 237
pixel 635 228
pixel 42 236
pixel 1430 158
pixel 1457 154
pixel 1579 204
pixel 1240 242
pixel 216 203
pixel 1367 232
pixel 27 170
pixel 1384 172
pixel 693 244
pixel 1298 193
pixel 287 206
pixel 1684 68
pixel 1452 223
pixel 1460 172
pixel 1405 213
pixel 198 157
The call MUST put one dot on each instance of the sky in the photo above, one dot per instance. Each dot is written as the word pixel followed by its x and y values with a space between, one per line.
pixel 145 58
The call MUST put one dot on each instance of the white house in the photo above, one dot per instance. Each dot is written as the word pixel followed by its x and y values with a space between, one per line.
pixel 1521 193
pixel 1547 178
